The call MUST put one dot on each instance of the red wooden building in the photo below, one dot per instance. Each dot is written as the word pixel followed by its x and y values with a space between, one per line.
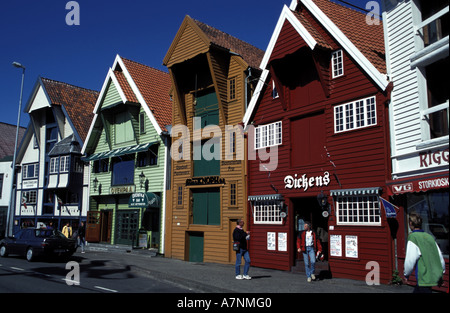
pixel 320 109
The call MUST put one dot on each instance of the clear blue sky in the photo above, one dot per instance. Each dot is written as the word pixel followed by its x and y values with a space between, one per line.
pixel 35 34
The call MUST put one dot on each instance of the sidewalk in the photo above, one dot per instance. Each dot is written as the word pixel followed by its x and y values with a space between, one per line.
pixel 220 278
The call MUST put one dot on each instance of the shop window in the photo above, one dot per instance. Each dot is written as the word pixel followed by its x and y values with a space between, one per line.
pixel 267 212
pixel 122 170
pixel 354 115
pixel 433 208
pixel 358 210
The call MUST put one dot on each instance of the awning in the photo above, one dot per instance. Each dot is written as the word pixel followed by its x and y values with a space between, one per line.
pixel 356 191
pixel 418 183
pixel 119 152
pixel 144 200
pixel 265 197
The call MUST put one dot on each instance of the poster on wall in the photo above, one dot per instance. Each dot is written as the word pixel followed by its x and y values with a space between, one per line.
pixel 270 241
pixel 335 245
pixel 282 241
pixel 351 246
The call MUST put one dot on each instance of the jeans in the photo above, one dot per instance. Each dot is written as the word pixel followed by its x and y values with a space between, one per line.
pixel 81 243
pixel 309 257
pixel 239 254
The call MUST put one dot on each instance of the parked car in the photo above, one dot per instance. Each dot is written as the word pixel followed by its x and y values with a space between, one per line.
pixel 34 242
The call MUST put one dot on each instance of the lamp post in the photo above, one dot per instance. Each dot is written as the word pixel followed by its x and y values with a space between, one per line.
pixel 13 176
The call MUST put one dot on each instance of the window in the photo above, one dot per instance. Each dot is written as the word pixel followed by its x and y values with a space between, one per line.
pixel 54 165
pixel 268 135
pixel 435 18
pixel 337 63
pixel 64 164
pixel 29 197
pixel 101 166
pixel 180 196
pixel 123 127
pixel 232 89
pixel 1 185
pixel 354 115
pixel 123 170
pixel 142 123
pixel 274 90
pixel 149 157
pixel 267 212
pixel 30 171
pixel 233 191
pixel 52 138
pixel 358 210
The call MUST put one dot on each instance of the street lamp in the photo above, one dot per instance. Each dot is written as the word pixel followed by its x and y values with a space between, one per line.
pixel 10 208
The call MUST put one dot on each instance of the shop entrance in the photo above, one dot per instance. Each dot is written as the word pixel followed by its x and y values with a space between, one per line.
pixel 127 224
pixel 308 210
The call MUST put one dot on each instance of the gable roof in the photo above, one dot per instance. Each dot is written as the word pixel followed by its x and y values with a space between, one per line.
pixel 214 37
pixel 138 83
pixel 78 102
pixel 363 42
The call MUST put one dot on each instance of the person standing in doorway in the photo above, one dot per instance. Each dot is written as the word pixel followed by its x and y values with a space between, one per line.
pixel 423 253
pixel 241 236
pixel 309 244
pixel 81 236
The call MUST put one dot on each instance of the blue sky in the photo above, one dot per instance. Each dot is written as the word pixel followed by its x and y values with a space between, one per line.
pixel 35 34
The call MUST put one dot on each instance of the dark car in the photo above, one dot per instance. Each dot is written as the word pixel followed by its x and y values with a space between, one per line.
pixel 34 242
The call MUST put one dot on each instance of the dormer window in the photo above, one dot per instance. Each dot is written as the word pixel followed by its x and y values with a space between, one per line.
pixel 337 63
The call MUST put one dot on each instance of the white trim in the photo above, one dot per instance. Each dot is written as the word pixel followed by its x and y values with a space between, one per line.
pixel 346 44
pixel 138 94
pixel 255 97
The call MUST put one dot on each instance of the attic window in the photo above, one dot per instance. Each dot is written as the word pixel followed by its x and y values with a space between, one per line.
pixel 337 63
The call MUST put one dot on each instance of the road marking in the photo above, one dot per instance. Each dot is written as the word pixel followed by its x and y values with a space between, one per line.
pixel 106 289
pixel 17 268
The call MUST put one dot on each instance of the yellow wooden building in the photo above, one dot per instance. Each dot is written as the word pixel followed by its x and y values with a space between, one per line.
pixel 213 75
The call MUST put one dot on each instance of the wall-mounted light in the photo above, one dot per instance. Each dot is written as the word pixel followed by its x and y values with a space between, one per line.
pixel 95 183
pixel 142 178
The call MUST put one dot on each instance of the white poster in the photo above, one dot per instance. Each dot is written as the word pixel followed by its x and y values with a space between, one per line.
pixel 270 241
pixel 351 246
pixel 282 241
pixel 335 245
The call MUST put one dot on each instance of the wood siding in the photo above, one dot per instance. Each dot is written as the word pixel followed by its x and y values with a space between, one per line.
pixel 360 156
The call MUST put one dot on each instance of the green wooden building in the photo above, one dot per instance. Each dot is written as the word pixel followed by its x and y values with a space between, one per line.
pixel 127 148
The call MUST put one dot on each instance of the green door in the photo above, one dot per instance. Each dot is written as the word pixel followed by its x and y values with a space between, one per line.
pixel 127 224
pixel 206 206
pixel 196 247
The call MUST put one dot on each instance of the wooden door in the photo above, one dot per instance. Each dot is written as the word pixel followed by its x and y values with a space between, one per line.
pixel 93 226
pixel 196 242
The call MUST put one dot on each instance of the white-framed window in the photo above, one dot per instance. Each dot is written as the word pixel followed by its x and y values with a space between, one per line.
pixel 29 196
pixel 30 171
pixel 353 115
pixel 54 162
pixel 267 212
pixel 337 63
pixel 64 163
pixel 358 210
pixel 268 135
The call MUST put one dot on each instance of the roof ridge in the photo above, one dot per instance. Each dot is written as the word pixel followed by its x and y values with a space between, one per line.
pixel 197 21
pixel 156 69
pixel 64 83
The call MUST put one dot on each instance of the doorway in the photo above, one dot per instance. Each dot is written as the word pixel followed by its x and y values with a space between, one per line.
pixel 127 224
pixel 308 210
pixel 195 246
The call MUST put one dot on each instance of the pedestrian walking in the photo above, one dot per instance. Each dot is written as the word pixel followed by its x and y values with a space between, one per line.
pixel 423 254
pixel 81 236
pixel 240 236
pixel 67 230
pixel 309 244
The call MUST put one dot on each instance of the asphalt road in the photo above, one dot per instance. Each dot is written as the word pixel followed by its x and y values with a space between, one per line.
pixel 80 275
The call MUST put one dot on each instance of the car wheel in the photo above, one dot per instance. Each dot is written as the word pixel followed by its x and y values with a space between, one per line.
pixel 30 254
pixel 3 252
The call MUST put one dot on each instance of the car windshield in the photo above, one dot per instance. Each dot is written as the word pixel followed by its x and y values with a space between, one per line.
pixel 45 233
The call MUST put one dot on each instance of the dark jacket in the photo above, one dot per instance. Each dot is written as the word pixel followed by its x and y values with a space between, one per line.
pixel 82 231
pixel 241 236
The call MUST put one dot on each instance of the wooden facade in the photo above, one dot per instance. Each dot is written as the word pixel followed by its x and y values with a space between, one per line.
pixel 315 153
pixel 209 71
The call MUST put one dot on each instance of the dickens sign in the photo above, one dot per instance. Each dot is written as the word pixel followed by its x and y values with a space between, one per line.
pixel 304 182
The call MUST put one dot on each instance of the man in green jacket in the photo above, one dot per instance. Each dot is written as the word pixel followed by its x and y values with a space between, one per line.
pixel 423 253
